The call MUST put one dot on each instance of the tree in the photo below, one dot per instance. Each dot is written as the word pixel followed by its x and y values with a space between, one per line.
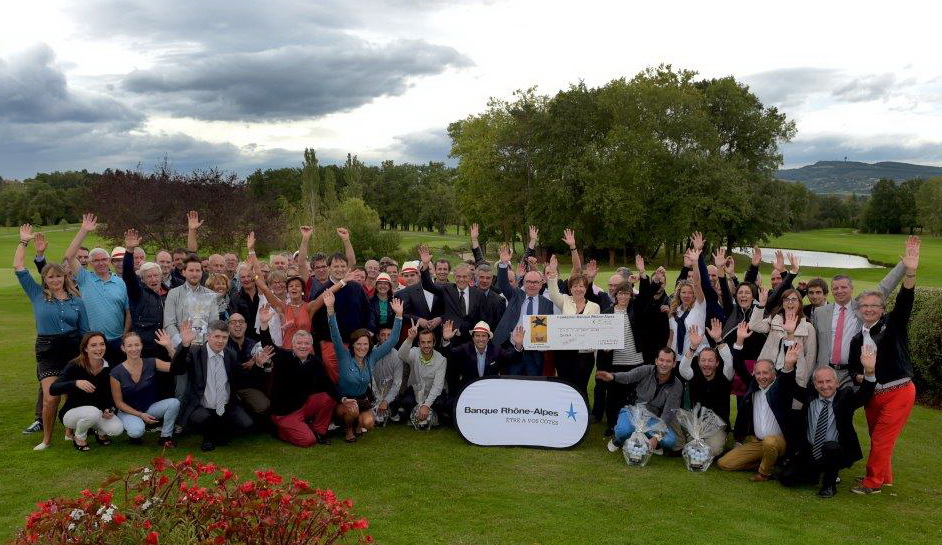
pixel 882 212
pixel 929 205
pixel 363 222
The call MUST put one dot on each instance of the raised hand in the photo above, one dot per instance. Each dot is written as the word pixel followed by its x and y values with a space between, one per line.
pixel 521 270
pixel 396 305
pixel 250 241
pixel 26 232
pixel 306 231
pixel 793 263
pixel 329 300
pixel 730 266
pixel 343 233
pixel 474 232
pixel 89 222
pixel 351 276
pixel 193 220
pixel 569 238
pixel 868 359
pixel 697 240
pixel 264 356
pixel 504 253
pixel 592 269
pixel 413 331
pixel 639 264
pixel 40 243
pixel 791 357
pixel 552 266
pixel 534 234
pixel 779 263
pixel 911 259
pixel 425 255
pixel 719 258
pixel 716 330
pixel 131 239
pixel 517 337
pixel 692 255
pixel 756 256
pixel 164 340
pixel 763 295
pixel 742 332
pixel 790 324
pixel 695 336
pixel 448 330
pixel 187 334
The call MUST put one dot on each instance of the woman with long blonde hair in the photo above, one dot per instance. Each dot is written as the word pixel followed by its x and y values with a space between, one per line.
pixel 61 320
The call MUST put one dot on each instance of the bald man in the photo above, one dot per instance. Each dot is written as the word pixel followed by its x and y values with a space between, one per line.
pixel 521 303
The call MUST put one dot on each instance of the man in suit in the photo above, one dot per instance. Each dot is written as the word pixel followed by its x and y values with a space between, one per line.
pixel 423 307
pixel 494 304
pixel 477 358
pixel 521 303
pixel 209 403
pixel 762 418
pixel 462 301
pixel 829 442
pixel 894 394
pixel 836 323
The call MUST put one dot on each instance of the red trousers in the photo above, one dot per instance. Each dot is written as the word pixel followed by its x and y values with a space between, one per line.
pixel 887 413
pixel 299 427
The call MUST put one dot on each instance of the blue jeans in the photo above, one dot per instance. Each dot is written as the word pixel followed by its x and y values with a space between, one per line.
pixel 165 409
pixel 530 364
pixel 625 427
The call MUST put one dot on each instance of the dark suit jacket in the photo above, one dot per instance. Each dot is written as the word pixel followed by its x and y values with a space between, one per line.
pixel 492 308
pixel 779 396
pixel 515 298
pixel 192 361
pixel 453 310
pixel 463 363
pixel 844 403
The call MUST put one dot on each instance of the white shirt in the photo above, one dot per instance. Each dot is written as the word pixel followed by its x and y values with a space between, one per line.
pixel 763 419
pixel 696 317
pixel 429 297
pixel 851 327
pixel 867 339
pixel 522 321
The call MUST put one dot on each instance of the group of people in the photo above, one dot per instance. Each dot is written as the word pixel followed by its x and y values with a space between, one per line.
pixel 304 344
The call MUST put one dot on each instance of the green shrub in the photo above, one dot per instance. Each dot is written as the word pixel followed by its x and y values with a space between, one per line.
pixel 925 343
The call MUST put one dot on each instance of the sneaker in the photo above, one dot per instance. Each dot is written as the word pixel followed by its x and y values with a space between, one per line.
pixel 332 427
pixel 36 426
pixel 42 446
pixel 611 446
pixel 864 490
pixel 859 479
pixel 395 417
pixel 827 491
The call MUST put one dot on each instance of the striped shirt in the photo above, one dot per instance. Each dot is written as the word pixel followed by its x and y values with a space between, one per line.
pixel 628 356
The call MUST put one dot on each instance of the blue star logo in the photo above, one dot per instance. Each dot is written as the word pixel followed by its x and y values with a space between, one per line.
pixel 571 413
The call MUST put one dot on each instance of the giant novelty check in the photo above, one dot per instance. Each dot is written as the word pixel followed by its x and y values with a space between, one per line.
pixel 574 332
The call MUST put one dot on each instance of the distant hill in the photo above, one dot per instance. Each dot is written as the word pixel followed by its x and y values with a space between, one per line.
pixel 852 176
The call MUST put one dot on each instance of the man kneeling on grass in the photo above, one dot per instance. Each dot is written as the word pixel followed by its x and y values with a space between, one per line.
pixel 762 415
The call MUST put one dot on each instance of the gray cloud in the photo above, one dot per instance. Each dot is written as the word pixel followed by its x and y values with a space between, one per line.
pixel 293 82
pixel 424 146
pixel 866 88
pixel 905 148
pixel 33 88
pixel 790 87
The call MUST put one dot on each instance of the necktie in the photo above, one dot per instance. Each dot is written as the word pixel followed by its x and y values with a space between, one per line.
pixel 461 303
pixel 681 331
pixel 820 430
pixel 529 306
pixel 219 378
pixel 836 351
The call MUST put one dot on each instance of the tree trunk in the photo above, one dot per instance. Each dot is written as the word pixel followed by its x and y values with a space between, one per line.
pixel 611 257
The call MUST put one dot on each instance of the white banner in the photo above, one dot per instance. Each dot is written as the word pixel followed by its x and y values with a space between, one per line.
pixel 574 332
pixel 533 412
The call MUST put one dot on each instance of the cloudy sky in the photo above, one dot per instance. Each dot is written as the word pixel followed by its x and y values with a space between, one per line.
pixel 117 83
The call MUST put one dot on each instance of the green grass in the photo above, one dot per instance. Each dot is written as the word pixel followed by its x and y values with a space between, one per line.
pixel 418 487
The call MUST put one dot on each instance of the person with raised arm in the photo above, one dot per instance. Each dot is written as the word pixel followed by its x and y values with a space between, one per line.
pixel 356 368
pixel 763 415
pixel 478 357
pixel 144 295
pixel 134 387
pixel 462 301
pixel 783 327
pixel 574 366
pixel 104 293
pixel 427 369
pixel 521 304
pixel 708 385
pixel 61 320
pixel 88 403
pixel 688 307
pixel 894 394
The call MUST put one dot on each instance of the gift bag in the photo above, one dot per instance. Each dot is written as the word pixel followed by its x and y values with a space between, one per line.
pixel 637 449
pixel 430 422
pixel 698 423
pixel 381 390
pixel 200 309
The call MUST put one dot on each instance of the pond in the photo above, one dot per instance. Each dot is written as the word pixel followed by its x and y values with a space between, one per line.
pixel 808 258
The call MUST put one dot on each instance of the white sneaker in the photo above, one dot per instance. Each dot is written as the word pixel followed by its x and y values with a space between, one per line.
pixel 363 430
pixel 332 427
pixel 42 446
pixel 395 417
pixel 611 446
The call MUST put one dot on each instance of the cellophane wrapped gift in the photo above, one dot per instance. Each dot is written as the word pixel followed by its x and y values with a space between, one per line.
pixel 201 308
pixel 417 423
pixel 637 449
pixel 698 423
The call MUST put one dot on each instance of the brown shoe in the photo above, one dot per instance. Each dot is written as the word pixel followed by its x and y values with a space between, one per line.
pixel 759 478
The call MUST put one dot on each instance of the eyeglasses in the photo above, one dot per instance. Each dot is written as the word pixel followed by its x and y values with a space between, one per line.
pixel 792 299
pixel 877 305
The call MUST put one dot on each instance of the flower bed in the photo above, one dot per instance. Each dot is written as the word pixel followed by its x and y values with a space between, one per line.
pixel 185 502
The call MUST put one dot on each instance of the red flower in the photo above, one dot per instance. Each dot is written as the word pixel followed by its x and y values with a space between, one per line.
pixel 163 480
pixel 147 524
pixel 152 538
pixel 226 474
pixel 368 539
pixel 119 518
pixel 361 524
pixel 160 464
pixel 299 484
pixel 188 461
